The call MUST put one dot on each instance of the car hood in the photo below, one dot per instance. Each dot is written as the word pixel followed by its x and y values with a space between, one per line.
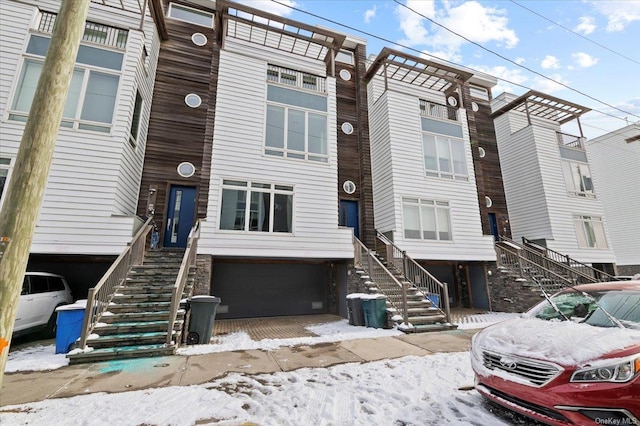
pixel 563 342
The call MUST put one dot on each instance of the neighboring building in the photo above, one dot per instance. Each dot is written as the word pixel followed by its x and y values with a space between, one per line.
pixel 88 214
pixel 427 127
pixel 615 166
pixel 259 127
pixel 551 196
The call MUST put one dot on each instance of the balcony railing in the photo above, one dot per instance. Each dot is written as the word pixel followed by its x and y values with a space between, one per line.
pixel 93 32
pixel 444 112
pixel 295 78
pixel 570 141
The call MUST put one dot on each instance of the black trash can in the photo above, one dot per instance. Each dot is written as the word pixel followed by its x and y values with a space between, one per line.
pixel 201 319
pixel 354 309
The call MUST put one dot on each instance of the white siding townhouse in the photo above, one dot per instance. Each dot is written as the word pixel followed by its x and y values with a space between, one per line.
pixel 551 195
pixel 88 214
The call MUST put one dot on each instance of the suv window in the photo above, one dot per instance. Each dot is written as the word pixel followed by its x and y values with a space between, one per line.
pixel 55 284
pixel 39 284
pixel 25 286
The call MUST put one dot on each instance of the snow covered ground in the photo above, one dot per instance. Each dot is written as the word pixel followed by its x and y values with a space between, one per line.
pixel 404 391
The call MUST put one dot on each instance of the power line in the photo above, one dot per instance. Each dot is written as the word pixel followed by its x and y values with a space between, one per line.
pixel 515 63
pixel 574 32
pixel 426 54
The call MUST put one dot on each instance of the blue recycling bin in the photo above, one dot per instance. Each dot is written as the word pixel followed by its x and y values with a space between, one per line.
pixel 434 298
pixel 69 325
pixel 374 308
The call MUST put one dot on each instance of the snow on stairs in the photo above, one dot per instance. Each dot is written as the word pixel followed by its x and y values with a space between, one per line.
pixel 135 324
pixel 423 316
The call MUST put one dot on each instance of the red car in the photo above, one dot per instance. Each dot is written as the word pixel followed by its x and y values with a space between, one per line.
pixel 573 359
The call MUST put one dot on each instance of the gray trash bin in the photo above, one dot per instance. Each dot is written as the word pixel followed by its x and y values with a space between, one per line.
pixel 354 309
pixel 201 319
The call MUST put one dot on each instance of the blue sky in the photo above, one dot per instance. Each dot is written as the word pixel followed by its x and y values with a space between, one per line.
pixel 605 67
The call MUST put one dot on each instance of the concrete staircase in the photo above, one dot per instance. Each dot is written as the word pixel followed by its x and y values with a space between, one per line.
pixel 422 314
pixel 136 321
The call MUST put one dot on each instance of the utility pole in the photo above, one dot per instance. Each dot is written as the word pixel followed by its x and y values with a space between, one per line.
pixel 26 188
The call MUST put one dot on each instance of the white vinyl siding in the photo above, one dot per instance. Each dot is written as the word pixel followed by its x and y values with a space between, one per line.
pixel 239 133
pixel 399 172
pixel 91 195
pixel 614 165
pixel 536 191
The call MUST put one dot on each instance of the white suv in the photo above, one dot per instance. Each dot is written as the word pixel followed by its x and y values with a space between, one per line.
pixel 41 294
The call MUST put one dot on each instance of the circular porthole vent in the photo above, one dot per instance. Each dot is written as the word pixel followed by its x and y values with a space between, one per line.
pixel 186 169
pixel 349 187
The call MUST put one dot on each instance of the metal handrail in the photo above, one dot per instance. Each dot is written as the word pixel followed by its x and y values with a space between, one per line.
pixel 367 260
pixel 100 296
pixel 594 274
pixel 414 272
pixel 188 260
pixel 512 257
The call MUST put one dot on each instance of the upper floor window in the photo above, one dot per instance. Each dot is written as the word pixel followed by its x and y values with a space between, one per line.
pixel 479 92
pixel 135 121
pixel 256 207
pixel 92 94
pixel 5 173
pixel 590 232
pixel 345 56
pixel 577 177
pixel 296 121
pixel 426 219
pixel 189 14
pixel 444 157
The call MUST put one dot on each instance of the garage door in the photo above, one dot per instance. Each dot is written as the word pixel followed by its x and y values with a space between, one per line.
pixel 262 290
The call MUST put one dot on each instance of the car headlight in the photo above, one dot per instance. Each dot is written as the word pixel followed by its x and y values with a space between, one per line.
pixel 619 372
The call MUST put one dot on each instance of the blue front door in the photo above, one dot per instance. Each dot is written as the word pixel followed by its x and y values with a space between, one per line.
pixel 349 216
pixel 180 215
pixel 493 224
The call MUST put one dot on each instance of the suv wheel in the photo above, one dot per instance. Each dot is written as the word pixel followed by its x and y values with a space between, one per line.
pixel 51 325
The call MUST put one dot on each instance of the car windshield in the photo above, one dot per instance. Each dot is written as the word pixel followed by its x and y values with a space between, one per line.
pixel 622 305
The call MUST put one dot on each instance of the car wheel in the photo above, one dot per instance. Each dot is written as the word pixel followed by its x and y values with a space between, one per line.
pixel 51 325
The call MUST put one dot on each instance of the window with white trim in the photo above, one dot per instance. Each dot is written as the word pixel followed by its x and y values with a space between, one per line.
pixel 444 157
pixel 91 100
pixel 5 174
pixel 135 120
pixel 190 14
pixel 426 219
pixel 256 207
pixel 577 177
pixel 296 120
pixel 590 232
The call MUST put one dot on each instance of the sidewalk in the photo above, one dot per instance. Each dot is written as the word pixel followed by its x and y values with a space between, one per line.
pixel 144 373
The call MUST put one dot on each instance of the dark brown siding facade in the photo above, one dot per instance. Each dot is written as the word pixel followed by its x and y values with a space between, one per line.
pixel 487 168
pixel 354 160
pixel 177 132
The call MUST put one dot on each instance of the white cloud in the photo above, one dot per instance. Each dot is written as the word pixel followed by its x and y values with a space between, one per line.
pixel 619 14
pixel 370 14
pixel 509 79
pixel 586 26
pixel 584 60
pixel 550 62
pixel 547 86
pixel 520 60
pixel 471 19
pixel 270 7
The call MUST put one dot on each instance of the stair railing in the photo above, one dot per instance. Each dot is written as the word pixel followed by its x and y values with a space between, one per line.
pixel 100 296
pixel 188 260
pixel 509 256
pixel 582 268
pixel 414 272
pixel 366 259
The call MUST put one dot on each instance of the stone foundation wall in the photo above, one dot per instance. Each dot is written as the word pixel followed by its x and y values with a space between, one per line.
pixel 629 270
pixel 202 286
pixel 509 293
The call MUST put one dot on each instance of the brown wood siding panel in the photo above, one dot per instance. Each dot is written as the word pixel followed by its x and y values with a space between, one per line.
pixel 354 161
pixel 487 169
pixel 177 132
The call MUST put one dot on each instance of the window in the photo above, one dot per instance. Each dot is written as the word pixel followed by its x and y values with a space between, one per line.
pixel 347 128
pixel 256 207
pixel 135 121
pixel 199 39
pixel 426 219
pixel 590 232
pixel 345 75
pixel 92 94
pixel 296 125
pixel 444 157
pixel 577 177
pixel 345 56
pixel 5 174
pixel 189 14
pixel 301 80
pixel 192 100
pixel 479 92
pixel 186 169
